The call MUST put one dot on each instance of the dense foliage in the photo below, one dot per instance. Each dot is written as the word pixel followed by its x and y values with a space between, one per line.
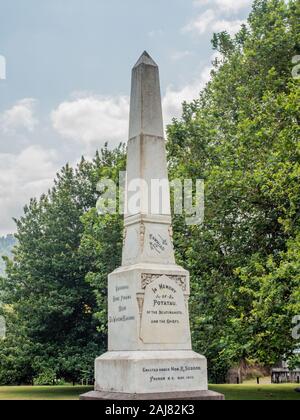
pixel 48 305
pixel 242 137
pixel 6 245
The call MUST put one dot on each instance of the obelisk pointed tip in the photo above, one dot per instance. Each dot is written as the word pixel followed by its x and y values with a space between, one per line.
pixel 145 59
pixel 145 105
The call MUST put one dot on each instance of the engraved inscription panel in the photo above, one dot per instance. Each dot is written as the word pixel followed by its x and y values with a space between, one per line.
pixel 164 316
pixel 158 242
pixel 122 313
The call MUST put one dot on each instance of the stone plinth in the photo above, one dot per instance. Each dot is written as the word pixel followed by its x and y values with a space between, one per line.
pixel 146 372
pixel 148 308
pixel 166 396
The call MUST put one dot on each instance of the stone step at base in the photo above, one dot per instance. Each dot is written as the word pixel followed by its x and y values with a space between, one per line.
pixel 166 396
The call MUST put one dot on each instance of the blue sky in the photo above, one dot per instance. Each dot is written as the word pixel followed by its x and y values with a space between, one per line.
pixel 68 66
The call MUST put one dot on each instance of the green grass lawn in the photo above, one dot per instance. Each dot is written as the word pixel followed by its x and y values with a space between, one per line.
pixel 258 392
pixel 42 392
pixel 232 392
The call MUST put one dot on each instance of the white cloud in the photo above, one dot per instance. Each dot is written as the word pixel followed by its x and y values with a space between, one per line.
pixel 209 21
pixel 230 26
pixel 20 117
pixel 202 22
pixel 233 5
pixel 93 120
pixel 173 99
pixel 23 176
pixel 225 5
pixel 212 20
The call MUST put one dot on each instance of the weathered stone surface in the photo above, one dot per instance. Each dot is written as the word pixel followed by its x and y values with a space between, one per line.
pixel 147 200
pixel 166 396
pixel 128 320
pixel 151 372
pixel 145 106
pixel 148 240
pixel 164 316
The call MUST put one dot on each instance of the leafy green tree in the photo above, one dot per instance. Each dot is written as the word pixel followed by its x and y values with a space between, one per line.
pixel 103 238
pixel 6 246
pixel 242 138
pixel 47 301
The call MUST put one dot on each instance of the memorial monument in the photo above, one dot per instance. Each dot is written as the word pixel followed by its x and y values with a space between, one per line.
pixel 149 341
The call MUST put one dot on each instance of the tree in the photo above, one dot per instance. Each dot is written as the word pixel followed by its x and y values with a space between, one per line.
pixel 242 138
pixel 103 238
pixel 48 304
pixel 6 245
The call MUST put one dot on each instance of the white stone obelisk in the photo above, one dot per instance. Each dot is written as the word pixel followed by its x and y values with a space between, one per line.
pixel 149 340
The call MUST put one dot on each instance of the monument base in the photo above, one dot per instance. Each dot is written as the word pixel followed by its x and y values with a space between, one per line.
pixel 151 372
pixel 165 396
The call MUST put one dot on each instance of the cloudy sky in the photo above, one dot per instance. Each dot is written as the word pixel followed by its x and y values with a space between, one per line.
pixel 68 66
